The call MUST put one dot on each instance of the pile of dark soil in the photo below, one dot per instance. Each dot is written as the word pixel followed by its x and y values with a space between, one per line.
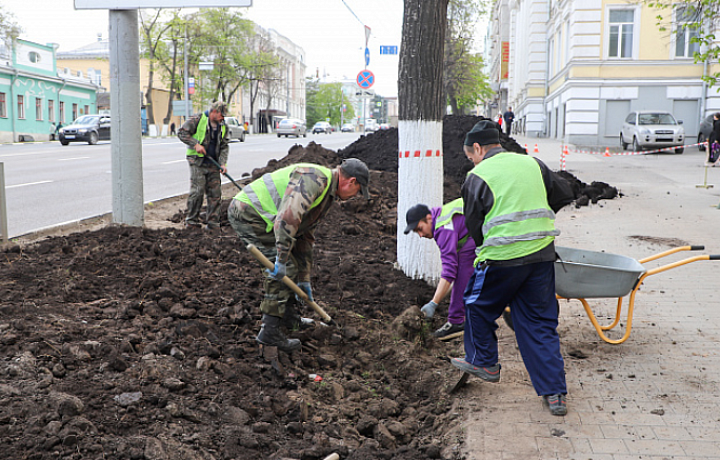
pixel 380 151
pixel 128 343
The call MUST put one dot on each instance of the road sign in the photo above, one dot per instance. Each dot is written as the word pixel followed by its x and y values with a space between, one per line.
pixel 191 85
pixel 365 79
pixel 388 50
pixel 135 4
pixel 367 57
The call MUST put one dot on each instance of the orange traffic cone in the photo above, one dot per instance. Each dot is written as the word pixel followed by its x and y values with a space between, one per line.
pixel 526 148
pixel 536 149
pixel 607 152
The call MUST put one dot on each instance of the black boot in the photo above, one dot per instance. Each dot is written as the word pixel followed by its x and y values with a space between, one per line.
pixel 292 319
pixel 271 335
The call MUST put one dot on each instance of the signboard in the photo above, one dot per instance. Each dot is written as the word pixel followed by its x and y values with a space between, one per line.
pixel 388 50
pixel 367 57
pixel 505 60
pixel 135 4
pixel 365 79
pixel 191 85
pixel 178 108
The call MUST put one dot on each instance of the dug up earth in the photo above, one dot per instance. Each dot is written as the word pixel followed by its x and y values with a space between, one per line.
pixel 130 343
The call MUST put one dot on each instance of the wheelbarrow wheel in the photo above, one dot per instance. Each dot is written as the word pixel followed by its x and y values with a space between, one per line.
pixel 507 316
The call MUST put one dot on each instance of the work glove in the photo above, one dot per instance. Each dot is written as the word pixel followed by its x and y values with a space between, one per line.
pixel 305 286
pixel 429 309
pixel 278 272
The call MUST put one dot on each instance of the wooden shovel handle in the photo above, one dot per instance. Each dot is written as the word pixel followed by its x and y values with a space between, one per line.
pixel 289 283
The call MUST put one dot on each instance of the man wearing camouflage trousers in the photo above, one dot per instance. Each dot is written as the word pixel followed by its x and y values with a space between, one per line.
pixel 278 213
pixel 205 134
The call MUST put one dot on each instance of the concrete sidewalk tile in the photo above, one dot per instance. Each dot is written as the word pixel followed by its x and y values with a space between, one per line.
pixel 619 432
pixel 581 445
pixel 704 433
pixel 520 445
pixel 655 447
pixel 608 446
pixel 555 445
pixel 706 449
pixel 672 432
pixel 638 419
pixel 600 418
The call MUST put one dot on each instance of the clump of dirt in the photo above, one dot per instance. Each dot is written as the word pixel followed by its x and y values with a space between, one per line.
pixel 127 343
pixel 380 151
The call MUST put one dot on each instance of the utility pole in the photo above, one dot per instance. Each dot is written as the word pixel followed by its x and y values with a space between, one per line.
pixel 185 67
pixel 287 90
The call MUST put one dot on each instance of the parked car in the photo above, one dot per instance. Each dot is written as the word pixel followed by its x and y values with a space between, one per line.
pixel 384 126
pixel 236 130
pixel 347 128
pixel 706 127
pixel 322 127
pixel 291 127
pixel 652 129
pixel 88 128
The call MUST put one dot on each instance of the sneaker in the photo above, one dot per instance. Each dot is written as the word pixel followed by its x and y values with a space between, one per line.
pixel 556 404
pixel 489 374
pixel 449 331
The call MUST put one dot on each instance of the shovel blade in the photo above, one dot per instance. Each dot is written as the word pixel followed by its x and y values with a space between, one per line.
pixel 460 383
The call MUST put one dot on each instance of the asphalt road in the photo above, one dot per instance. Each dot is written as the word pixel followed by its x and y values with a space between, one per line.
pixel 47 184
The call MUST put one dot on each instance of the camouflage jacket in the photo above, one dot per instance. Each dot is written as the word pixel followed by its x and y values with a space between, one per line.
pixel 295 223
pixel 188 129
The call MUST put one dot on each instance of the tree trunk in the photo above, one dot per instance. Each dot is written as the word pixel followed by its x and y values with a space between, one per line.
pixel 148 95
pixel 420 94
pixel 169 112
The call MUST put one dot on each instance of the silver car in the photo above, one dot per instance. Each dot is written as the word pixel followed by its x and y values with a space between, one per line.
pixel 291 127
pixel 237 130
pixel 647 129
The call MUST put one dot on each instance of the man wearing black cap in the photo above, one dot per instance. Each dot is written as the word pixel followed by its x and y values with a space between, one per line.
pixel 446 225
pixel 278 213
pixel 509 204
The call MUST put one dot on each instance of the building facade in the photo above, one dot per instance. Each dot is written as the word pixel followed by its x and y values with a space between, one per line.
pixel 34 97
pixel 573 69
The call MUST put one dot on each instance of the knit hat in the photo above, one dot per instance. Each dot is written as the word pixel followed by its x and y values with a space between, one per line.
pixel 484 132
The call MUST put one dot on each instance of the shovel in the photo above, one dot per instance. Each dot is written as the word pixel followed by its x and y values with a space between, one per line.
pixel 212 160
pixel 291 284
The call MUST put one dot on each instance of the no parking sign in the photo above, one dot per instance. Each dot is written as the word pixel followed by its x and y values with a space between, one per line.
pixel 365 79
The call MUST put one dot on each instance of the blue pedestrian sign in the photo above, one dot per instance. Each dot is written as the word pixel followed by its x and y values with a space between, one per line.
pixel 367 56
pixel 388 50
pixel 365 79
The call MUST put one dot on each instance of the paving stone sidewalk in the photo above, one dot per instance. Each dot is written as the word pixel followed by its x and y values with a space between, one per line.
pixel 655 396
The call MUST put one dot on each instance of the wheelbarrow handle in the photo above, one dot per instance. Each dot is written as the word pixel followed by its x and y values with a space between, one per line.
pixel 714 257
pixel 697 248
pixel 289 283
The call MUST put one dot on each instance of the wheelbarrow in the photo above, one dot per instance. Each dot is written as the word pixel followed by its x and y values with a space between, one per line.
pixel 582 274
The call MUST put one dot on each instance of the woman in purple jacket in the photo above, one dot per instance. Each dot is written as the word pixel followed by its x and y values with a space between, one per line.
pixel 446 225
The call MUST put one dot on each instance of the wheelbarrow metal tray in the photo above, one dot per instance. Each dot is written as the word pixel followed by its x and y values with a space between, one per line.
pixel 582 274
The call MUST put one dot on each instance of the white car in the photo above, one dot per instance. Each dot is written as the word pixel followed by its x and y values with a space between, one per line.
pixel 647 129
pixel 236 130
pixel 291 127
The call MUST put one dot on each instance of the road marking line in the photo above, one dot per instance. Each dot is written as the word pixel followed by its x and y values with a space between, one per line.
pixel 171 162
pixel 70 159
pixel 29 183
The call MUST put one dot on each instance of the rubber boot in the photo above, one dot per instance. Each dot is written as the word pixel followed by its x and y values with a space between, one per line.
pixel 271 335
pixel 292 319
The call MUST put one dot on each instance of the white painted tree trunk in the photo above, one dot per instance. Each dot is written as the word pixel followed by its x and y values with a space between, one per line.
pixel 420 180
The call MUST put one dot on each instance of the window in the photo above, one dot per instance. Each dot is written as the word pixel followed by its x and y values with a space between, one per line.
pixel 621 33
pixel 62 112
pixel 685 32
pixel 3 106
pixel 87 109
pixel 34 57
pixel 38 108
pixel 74 111
pixel 51 110
pixel 21 107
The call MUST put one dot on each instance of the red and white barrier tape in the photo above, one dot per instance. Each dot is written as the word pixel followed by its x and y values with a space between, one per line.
pixel 607 153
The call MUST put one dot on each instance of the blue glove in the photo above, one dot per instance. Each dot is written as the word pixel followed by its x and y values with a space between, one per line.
pixel 278 272
pixel 305 286
pixel 429 309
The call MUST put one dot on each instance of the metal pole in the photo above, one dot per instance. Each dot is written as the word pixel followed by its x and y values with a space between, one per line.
pixel 287 91
pixel 3 207
pixel 187 86
pixel 125 132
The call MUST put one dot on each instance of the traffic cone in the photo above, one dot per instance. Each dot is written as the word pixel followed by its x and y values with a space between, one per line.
pixel 536 149
pixel 526 148
pixel 607 152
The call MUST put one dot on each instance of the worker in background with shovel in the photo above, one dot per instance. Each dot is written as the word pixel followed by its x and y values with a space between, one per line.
pixel 205 134
pixel 278 214
pixel 446 225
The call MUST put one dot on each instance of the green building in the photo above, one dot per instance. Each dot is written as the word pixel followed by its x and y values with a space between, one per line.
pixel 34 97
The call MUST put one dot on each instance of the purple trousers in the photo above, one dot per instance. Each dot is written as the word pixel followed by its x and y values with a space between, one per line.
pixel 456 310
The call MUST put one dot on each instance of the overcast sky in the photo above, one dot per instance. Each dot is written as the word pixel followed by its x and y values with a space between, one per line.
pixel 331 32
